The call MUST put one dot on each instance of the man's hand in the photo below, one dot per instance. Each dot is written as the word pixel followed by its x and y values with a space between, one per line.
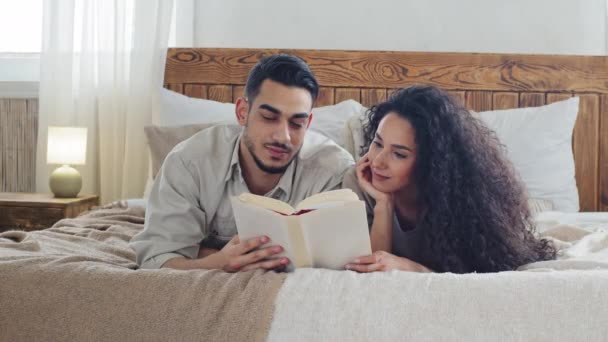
pixel 382 261
pixel 235 256
pixel 242 256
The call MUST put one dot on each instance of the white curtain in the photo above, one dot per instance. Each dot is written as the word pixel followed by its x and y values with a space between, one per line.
pixel 102 67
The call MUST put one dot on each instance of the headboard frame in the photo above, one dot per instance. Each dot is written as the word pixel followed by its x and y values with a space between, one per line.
pixel 481 81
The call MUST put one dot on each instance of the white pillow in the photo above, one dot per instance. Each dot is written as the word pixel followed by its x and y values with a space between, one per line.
pixel 330 120
pixel 180 110
pixel 539 143
pixel 353 135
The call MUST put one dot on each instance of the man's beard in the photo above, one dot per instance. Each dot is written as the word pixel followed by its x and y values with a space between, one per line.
pixel 268 169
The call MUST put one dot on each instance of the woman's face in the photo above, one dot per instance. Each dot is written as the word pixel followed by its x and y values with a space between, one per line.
pixel 392 154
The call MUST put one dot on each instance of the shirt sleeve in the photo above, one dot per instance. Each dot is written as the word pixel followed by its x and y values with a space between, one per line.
pixel 331 175
pixel 175 222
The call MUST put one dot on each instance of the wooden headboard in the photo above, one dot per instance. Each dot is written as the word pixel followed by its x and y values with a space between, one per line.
pixel 481 81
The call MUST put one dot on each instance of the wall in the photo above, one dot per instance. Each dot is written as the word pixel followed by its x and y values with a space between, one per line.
pixel 514 26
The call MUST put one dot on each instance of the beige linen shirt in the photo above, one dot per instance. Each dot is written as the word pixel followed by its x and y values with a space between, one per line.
pixel 189 204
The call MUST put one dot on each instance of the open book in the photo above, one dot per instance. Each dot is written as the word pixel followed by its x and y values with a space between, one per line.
pixel 326 230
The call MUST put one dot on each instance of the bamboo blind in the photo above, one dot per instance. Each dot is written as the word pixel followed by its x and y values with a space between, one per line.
pixel 18 137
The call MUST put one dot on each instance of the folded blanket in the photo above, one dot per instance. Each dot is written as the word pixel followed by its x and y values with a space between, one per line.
pixel 77 282
pixel 578 248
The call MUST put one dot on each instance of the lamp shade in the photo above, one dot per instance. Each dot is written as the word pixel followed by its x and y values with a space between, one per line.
pixel 67 145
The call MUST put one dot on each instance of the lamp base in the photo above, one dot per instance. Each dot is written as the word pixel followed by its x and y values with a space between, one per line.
pixel 65 182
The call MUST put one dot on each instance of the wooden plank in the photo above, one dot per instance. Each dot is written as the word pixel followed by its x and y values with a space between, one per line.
pixel 176 87
pixel 220 93
pixel 555 97
pixel 370 97
pixel 343 94
pixel 237 91
pixel 478 101
pixel 196 90
pixel 458 95
pixel 531 99
pixel 505 100
pixel 326 97
pixel 603 158
pixel 585 147
pixel 390 92
pixel 381 69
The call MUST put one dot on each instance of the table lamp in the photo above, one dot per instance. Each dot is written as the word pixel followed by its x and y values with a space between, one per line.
pixel 66 146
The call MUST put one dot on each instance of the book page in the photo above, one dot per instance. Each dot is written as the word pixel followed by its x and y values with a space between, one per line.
pixel 266 202
pixel 327 198
pixel 336 236
pixel 253 221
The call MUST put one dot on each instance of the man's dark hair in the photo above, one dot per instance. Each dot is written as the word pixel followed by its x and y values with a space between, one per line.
pixel 282 68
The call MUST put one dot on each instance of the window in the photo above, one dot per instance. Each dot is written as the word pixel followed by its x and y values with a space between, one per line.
pixel 21 26
pixel 20 45
pixel 21 35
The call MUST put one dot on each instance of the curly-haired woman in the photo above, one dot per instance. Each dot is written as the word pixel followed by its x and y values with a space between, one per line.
pixel 440 192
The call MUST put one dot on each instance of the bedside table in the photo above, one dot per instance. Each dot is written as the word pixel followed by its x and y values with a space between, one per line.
pixel 33 211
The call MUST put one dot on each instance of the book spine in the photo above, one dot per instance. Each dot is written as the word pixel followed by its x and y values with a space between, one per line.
pixel 297 243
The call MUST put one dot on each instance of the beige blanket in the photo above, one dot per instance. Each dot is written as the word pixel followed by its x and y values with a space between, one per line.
pixel 77 282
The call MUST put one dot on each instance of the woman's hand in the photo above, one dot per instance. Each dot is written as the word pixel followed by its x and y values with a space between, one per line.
pixel 364 177
pixel 382 261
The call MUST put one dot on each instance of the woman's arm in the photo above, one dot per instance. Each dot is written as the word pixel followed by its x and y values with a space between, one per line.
pixel 381 234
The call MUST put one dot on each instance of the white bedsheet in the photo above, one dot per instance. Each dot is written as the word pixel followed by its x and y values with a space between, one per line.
pixel 561 300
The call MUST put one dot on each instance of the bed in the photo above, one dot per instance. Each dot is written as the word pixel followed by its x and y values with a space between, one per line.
pixel 78 280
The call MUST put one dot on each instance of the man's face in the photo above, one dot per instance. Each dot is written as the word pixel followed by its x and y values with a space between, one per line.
pixel 275 124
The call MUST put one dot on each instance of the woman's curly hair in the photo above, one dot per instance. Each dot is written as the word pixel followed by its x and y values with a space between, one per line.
pixel 476 216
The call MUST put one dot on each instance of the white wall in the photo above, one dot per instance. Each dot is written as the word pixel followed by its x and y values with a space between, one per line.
pixel 503 26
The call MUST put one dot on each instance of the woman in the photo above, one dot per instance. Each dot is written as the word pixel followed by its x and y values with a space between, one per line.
pixel 440 193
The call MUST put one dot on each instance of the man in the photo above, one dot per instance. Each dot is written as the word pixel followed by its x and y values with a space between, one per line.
pixel 189 220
